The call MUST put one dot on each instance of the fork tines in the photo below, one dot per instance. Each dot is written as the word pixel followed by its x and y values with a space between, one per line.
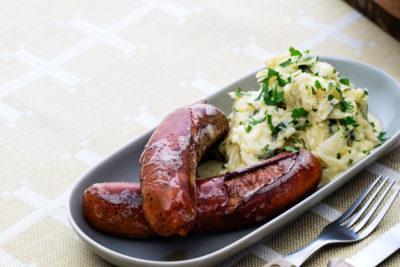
pixel 372 205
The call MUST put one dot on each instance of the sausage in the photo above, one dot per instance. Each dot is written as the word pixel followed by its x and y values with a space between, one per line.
pixel 169 162
pixel 232 200
pixel 116 208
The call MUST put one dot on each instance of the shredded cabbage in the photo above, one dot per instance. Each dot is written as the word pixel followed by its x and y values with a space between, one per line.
pixel 301 103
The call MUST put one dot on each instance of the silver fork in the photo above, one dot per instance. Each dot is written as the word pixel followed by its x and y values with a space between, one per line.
pixel 352 226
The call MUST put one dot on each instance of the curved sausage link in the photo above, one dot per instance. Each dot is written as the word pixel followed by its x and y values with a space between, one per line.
pixel 116 208
pixel 169 162
pixel 229 201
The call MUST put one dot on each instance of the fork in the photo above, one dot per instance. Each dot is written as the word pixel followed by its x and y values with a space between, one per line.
pixel 352 226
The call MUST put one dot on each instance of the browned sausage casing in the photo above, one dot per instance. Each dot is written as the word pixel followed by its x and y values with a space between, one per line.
pixel 169 162
pixel 232 200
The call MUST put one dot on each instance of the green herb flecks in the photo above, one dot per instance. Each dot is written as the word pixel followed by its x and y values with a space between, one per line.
pixel 274 129
pixel 272 96
pixel 277 75
pixel 305 68
pixel 286 63
pixel 239 92
pixel 345 106
pixel 345 81
pixel 337 87
pixel 381 136
pixel 257 121
pixel 248 128
pixel 293 149
pixel 349 121
pixel 318 84
pixel 294 52
pixel 300 127
pixel 366 152
pixel 299 113
pixel 330 97
pixel 338 156
pixel 266 152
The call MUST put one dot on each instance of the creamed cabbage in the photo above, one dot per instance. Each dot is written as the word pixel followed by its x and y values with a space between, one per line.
pixel 301 103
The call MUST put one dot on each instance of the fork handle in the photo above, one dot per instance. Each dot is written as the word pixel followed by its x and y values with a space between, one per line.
pixel 280 262
pixel 336 262
pixel 301 255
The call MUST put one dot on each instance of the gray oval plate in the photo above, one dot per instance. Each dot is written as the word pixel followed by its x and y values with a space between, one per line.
pixel 207 249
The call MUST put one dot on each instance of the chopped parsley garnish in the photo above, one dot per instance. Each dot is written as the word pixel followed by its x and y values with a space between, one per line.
pixel 294 52
pixel 235 109
pixel 330 97
pixel 345 81
pixel 350 134
pixel 304 68
pixel 274 73
pixel 248 128
pixel 350 161
pixel 338 156
pixel 289 79
pixel 366 152
pixel 273 97
pixel 274 129
pixel 300 127
pixel 345 106
pixel 267 153
pixel 318 84
pixel 349 121
pixel 291 148
pixel 257 121
pixel 270 125
pixel 365 92
pixel 299 113
pixel 239 92
pixel 382 137
pixel 337 87
pixel 313 91
pixel 286 63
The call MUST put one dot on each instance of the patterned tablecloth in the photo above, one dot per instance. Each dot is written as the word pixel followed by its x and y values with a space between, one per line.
pixel 79 79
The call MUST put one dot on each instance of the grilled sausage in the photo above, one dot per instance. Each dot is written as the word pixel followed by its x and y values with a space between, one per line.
pixel 231 200
pixel 116 208
pixel 169 162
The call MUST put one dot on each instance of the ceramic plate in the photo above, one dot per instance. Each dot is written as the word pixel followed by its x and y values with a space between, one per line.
pixel 208 249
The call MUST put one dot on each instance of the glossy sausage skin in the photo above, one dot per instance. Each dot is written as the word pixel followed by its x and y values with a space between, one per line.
pixel 169 162
pixel 229 201
pixel 116 208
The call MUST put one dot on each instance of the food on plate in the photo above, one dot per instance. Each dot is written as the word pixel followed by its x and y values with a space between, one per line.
pixel 301 103
pixel 305 123
pixel 116 208
pixel 169 162
pixel 231 200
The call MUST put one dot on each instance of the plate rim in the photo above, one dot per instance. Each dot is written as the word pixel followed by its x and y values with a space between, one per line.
pixel 323 191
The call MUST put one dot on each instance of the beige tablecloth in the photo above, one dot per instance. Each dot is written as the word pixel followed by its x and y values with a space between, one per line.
pixel 79 79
